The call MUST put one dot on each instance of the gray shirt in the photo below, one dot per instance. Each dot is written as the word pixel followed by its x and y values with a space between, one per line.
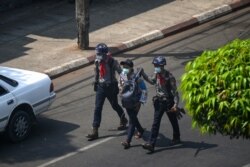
pixel 162 88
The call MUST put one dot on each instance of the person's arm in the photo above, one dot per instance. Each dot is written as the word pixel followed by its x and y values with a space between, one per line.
pixel 96 76
pixel 151 80
pixel 174 90
pixel 117 67
pixel 120 82
pixel 96 72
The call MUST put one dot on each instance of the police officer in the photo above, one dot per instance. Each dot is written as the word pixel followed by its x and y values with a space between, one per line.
pixel 106 86
pixel 165 101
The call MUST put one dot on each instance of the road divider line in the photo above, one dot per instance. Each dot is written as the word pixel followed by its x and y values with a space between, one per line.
pixel 78 151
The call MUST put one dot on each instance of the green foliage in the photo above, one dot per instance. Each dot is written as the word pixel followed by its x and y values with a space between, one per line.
pixel 216 88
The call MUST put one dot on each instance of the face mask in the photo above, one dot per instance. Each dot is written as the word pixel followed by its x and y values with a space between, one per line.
pixel 157 69
pixel 100 57
pixel 125 71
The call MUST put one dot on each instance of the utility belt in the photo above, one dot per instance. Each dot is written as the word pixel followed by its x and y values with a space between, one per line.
pixel 162 99
pixel 105 84
pixel 162 102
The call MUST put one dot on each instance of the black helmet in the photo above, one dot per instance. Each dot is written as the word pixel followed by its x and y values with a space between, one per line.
pixel 101 49
pixel 159 60
pixel 127 62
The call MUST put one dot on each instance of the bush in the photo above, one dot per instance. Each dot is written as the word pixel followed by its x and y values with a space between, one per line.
pixel 216 88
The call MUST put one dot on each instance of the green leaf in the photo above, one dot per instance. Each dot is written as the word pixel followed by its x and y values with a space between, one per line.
pixel 244 83
pixel 216 89
pixel 244 124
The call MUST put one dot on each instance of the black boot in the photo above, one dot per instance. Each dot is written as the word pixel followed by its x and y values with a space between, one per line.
pixel 149 147
pixel 125 144
pixel 175 141
pixel 93 135
pixel 123 124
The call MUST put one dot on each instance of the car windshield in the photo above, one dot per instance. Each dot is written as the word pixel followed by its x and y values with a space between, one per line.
pixel 9 81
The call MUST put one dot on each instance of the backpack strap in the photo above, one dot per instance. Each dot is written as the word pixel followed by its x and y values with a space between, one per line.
pixel 137 74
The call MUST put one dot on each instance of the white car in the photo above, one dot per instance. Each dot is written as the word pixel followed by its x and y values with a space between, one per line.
pixel 23 95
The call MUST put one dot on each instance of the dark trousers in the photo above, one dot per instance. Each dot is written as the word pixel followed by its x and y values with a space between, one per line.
pixel 133 122
pixel 110 92
pixel 160 107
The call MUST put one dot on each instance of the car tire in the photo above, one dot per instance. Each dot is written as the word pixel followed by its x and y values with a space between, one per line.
pixel 19 126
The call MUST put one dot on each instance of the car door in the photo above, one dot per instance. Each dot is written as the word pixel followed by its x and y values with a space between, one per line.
pixel 7 104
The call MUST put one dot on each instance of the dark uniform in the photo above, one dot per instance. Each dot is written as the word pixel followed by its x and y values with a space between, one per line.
pixel 166 98
pixel 106 86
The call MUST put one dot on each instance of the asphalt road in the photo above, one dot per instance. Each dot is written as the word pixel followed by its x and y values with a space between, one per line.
pixel 58 139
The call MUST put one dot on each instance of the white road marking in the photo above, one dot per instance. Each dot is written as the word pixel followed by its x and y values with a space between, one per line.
pixel 77 151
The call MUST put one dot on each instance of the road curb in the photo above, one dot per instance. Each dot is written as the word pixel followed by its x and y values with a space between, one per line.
pixel 152 36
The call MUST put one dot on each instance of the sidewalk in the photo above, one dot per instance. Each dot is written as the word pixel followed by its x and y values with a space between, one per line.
pixel 42 37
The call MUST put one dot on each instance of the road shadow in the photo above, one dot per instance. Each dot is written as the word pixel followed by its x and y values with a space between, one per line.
pixel 56 19
pixel 198 146
pixel 164 144
pixel 49 139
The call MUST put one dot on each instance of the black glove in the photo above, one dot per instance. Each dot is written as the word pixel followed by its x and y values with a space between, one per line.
pixel 179 112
